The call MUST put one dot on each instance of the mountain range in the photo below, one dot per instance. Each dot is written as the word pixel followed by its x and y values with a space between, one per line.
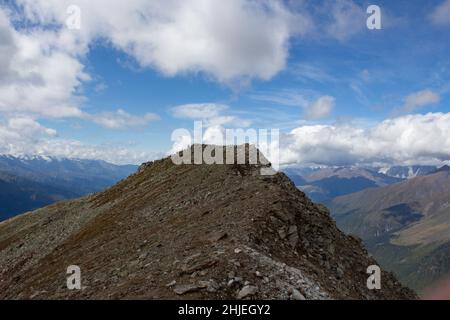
pixel 406 172
pixel 406 226
pixel 28 183
pixel 188 232
pixel 401 213
pixel 324 184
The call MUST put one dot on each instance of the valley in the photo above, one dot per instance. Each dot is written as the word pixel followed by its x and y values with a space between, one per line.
pixel 406 226
pixel 29 183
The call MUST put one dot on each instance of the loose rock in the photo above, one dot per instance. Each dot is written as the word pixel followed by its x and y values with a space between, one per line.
pixel 247 291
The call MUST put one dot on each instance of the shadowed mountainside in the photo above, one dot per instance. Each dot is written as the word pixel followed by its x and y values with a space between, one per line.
pixel 405 225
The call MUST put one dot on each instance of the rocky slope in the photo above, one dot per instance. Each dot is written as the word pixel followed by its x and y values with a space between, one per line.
pixel 188 232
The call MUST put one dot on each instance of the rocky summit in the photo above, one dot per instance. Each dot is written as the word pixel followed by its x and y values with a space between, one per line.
pixel 190 231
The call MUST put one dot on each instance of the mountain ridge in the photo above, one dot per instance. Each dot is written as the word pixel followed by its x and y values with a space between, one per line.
pixel 188 231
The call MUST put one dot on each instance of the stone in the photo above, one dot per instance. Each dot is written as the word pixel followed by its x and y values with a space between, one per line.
pixel 293 235
pixel 282 233
pixel 296 295
pixel 292 229
pixel 247 291
pixel 203 284
pixel 217 236
pixel 213 286
pixel 171 284
pixel 143 256
pixel 339 273
pixel 185 288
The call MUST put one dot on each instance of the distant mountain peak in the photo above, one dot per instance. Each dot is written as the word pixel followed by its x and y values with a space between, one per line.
pixel 444 168
pixel 407 172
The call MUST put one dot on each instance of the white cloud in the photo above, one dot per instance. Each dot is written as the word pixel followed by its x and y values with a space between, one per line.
pixel 320 108
pixel 28 127
pixel 121 119
pixel 419 100
pixel 113 153
pixel 441 14
pixel 39 75
pixel 25 136
pixel 212 114
pixel 224 39
pixel 411 139
pixel 42 61
pixel 199 110
pixel 17 134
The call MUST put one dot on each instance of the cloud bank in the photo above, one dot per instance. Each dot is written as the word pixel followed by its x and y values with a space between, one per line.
pixel 21 136
pixel 411 139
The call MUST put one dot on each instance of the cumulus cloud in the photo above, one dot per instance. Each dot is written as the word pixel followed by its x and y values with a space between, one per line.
pixel 223 39
pixel 320 108
pixel 411 139
pixel 20 133
pixel 419 100
pixel 441 14
pixel 42 61
pixel 121 119
pixel 40 72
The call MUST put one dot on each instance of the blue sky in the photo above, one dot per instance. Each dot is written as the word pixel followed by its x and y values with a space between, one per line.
pixel 311 68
